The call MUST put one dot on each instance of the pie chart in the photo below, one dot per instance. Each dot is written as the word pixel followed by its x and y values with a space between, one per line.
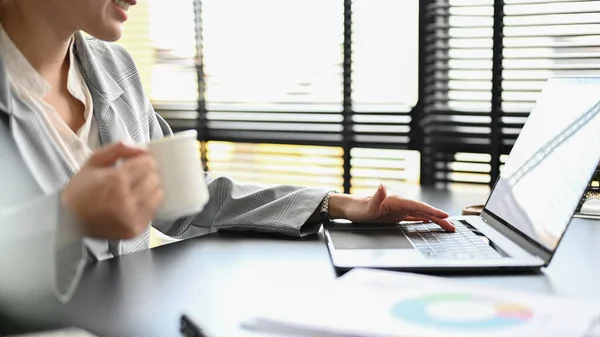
pixel 461 312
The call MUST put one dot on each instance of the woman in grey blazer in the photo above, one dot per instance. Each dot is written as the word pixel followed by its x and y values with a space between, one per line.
pixel 68 106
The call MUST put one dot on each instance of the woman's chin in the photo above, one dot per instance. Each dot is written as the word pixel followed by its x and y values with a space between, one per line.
pixel 109 34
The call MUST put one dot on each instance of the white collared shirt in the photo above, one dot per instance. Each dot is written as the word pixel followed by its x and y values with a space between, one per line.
pixel 31 87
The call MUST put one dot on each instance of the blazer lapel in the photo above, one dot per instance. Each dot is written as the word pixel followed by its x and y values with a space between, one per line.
pixel 105 91
pixel 45 161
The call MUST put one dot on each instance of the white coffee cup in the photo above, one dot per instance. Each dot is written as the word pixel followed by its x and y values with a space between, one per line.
pixel 181 174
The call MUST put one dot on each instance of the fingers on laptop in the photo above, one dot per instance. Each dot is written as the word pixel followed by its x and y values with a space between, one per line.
pixel 444 223
pixel 414 206
pixel 416 218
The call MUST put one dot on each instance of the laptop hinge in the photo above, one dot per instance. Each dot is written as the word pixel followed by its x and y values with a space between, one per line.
pixel 517 237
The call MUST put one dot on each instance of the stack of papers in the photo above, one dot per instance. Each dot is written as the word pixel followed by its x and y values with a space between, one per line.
pixel 377 303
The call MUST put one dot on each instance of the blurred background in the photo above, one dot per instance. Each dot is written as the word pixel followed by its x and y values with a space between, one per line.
pixel 348 94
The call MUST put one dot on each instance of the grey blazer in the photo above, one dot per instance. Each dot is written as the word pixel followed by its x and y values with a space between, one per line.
pixel 40 247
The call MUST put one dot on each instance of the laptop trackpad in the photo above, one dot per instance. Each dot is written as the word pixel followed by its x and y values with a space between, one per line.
pixel 371 238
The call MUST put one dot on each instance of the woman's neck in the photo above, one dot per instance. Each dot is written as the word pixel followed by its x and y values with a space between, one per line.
pixel 43 41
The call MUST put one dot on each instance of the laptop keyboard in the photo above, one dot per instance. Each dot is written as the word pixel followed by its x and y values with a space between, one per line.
pixel 433 241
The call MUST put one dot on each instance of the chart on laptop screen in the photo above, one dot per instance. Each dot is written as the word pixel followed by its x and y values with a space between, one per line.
pixel 552 161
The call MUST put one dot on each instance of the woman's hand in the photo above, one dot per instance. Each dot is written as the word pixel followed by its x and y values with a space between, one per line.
pixel 385 208
pixel 115 202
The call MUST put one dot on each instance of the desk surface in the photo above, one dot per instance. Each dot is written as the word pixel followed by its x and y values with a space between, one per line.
pixel 218 278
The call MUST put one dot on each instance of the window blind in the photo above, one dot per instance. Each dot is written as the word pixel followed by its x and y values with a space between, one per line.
pixel 268 77
pixel 456 49
pixel 544 39
pixel 485 64
pixel 384 71
pixel 273 96
pixel 384 78
pixel 276 79
pixel 274 164
pixel 273 70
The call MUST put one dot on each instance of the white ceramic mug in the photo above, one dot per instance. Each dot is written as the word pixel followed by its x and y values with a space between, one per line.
pixel 181 174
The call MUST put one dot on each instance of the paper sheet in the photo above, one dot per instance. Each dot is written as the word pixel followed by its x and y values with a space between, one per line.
pixel 68 332
pixel 381 303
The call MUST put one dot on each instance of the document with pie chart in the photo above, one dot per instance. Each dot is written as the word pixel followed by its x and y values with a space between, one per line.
pixel 382 303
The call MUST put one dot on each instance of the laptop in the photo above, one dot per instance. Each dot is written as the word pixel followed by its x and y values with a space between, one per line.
pixel 527 212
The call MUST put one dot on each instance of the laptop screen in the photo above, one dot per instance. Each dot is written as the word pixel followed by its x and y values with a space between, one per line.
pixel 551 162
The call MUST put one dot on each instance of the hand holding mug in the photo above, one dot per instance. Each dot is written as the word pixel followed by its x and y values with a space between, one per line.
pixel 123 188
pixel 115 201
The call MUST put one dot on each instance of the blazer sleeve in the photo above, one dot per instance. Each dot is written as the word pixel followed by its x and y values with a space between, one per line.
pixel 285 209
pixel 42 255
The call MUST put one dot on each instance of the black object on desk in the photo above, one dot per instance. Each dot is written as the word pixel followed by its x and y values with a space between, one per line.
pixel 189 329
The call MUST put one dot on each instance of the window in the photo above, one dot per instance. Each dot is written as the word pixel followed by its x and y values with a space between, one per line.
pixel 263 164
pixel 485 64
pixel 385 54
pixel 270 75
pixel 268 54
pixel 136 39
pixel 456 97
pixel 384 92
pixel 542 40
pixel 274 86
pixel 446 94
